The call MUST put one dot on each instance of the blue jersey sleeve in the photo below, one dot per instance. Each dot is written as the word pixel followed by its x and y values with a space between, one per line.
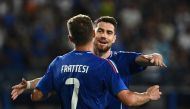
pixel 130 58
pixel 134 67
pixel 46 82
pixel 114 82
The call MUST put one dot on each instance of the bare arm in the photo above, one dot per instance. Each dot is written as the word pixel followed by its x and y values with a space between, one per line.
pixel 33 83
pixel 136 99
pixel 22 86
pixel 154 59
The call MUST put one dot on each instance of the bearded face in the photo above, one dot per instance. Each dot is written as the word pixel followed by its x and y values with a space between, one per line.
pixel 104 36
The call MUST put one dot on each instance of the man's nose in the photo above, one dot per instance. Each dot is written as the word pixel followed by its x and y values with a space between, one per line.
pixel 104 35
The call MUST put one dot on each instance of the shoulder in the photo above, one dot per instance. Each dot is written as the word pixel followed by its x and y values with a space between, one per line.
pixel 61 57
pixel 57 60
pixel 111 64
pixel 94 58
pixel 99 62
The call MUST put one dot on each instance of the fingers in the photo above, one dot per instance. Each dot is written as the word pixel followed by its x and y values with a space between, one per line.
pixel 21 85
pixel 164 64
pixel 160 62
pixel 16 87
pixel 150 89
pixel 13 91
pixel 157 60
pixel 14 97
pixel 14 94
pixel 156 86
pixel 154 92
pixel 152 61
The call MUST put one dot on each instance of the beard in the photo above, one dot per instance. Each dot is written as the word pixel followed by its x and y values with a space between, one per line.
pixel 101 48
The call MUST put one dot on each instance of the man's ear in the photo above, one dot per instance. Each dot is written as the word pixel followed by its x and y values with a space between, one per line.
pixel 70 38
pixel 114 39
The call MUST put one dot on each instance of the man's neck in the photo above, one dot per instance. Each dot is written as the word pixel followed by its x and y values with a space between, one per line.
pixel 87 47
pixel 103 55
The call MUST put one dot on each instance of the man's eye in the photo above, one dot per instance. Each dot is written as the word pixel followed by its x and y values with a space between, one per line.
pixel 100 31
pixel 109 32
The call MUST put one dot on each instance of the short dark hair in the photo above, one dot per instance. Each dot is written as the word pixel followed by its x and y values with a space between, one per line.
pixel 107 19
pixel 80 27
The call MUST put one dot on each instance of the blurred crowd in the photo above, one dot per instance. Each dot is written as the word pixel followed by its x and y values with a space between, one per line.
pixel 33 32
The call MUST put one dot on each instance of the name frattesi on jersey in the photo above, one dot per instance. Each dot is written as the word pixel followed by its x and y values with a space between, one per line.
pixel 74 68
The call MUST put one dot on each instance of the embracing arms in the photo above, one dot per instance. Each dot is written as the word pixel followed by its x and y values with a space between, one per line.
pixel 136 99
pixel 128 97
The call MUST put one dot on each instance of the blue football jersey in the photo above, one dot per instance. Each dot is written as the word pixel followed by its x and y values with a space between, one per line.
pixel 125 62
pixel 81 80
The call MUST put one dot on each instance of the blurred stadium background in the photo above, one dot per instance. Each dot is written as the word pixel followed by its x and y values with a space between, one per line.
pixel 33 32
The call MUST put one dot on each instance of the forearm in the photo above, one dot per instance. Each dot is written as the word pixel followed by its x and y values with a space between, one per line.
pixel 144 60
pixel 33 86
pixel 33 83
pixel 139 98
pixel 133 98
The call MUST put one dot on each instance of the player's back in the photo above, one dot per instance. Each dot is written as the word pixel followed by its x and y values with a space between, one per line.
pixel 80 79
